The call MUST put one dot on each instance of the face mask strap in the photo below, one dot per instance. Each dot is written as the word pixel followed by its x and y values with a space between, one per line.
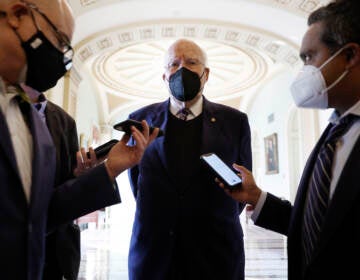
pixel 201 88
pixel 336 81
pixel 332 57
pixel 341 76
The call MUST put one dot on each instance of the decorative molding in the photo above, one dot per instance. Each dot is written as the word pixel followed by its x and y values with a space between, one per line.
pixel 299 7
pixel 118 54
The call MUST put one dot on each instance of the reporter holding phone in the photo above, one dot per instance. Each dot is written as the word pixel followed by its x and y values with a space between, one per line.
pixel 323 225
pixel 185 226
pixel 35 49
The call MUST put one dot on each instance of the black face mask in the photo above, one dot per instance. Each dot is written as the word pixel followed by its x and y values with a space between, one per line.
pixel 45 63
pixel 184 84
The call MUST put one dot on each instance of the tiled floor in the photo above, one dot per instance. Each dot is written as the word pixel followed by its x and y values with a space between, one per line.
pixel 104 258
pixel 104 252
pixel 265 253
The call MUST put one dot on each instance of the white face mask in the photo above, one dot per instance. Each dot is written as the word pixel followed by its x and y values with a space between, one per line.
pixel 309 89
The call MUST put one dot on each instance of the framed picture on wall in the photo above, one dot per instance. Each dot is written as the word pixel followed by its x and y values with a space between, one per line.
pixel 271 154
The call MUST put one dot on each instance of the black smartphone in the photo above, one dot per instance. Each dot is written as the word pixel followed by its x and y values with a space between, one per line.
pixel 103 149
pixel 125 126
pixel 222 171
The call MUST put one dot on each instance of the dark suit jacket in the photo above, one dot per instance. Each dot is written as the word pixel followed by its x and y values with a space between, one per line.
pixel 200 216
pixel 23 226
pixel 63 244
pixel 340 240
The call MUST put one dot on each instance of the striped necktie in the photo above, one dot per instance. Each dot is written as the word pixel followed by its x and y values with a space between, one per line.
pixel 317 200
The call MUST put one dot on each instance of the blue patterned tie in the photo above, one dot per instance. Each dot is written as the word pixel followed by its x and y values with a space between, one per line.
pixel 38 106
pixel 183 114
pixel 318 193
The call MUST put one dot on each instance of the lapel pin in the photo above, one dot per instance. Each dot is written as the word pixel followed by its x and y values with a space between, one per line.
pixel 213 120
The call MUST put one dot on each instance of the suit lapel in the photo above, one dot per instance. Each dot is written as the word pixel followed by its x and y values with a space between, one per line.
pixel 42 149
pixel 6 144
pixel 159 119
pixel 347 190
pixel 212 135
pixel 44 157
pixel 52 123
pixel 298 210
pixel 50 116
pixel 211 132
pixel 304 182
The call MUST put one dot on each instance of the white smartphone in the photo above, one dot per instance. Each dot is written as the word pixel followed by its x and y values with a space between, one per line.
pixel 223 172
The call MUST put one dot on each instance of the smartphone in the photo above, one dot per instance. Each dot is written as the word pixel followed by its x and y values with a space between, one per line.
pixel 103 149
pixel 125 126
pixel 222 171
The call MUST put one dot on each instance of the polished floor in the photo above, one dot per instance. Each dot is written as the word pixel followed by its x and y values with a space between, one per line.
pixel 104 252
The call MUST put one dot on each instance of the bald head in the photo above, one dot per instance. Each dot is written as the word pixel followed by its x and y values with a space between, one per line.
pixel 188 46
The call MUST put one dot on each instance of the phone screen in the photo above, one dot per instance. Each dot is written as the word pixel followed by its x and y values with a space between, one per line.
pixel 226 174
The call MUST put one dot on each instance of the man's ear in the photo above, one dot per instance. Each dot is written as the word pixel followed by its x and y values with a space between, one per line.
pixel 207 72
pixel 352 55
pixel 15 13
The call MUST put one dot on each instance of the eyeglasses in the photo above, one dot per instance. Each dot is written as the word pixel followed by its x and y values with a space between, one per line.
pixel 190 63
pixel 64 42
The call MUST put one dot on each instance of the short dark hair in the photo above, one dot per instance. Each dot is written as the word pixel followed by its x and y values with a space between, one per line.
pixel 341 22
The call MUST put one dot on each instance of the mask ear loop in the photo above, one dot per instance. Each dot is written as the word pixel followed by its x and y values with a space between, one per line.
pixel 336 81
pixel 202 88
pixel 340 77
pixel 331 57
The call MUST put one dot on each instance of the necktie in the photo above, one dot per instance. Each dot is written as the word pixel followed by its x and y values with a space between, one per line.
pixel 38 106
pixel 183 114
pixel 318 194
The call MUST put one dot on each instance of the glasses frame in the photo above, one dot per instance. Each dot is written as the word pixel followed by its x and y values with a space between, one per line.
pixel 65 46
pixel 190 63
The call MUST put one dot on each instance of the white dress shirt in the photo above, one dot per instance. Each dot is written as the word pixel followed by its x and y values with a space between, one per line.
pixel 195 109
pixel 20 135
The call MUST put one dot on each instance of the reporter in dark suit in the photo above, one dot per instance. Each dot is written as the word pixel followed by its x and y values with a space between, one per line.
pixel 185 227
pixel 323 226
pixel 35 49
pixel 62 257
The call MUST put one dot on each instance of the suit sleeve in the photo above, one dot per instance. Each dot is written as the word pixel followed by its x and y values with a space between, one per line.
pixel 81 196
pixel 275 214
pixel 73 143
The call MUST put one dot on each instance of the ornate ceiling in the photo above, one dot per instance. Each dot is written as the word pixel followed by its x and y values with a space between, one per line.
pixel 120 46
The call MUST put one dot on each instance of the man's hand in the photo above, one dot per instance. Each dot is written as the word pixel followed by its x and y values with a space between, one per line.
pixel 248 192
pixel 122 156
pixel 84 164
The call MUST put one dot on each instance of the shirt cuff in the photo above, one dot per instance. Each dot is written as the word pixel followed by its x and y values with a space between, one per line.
pixel 259 206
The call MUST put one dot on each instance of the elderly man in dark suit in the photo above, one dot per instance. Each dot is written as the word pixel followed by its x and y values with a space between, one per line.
pixel 185 227
pixel 35 49
pixel 323 226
